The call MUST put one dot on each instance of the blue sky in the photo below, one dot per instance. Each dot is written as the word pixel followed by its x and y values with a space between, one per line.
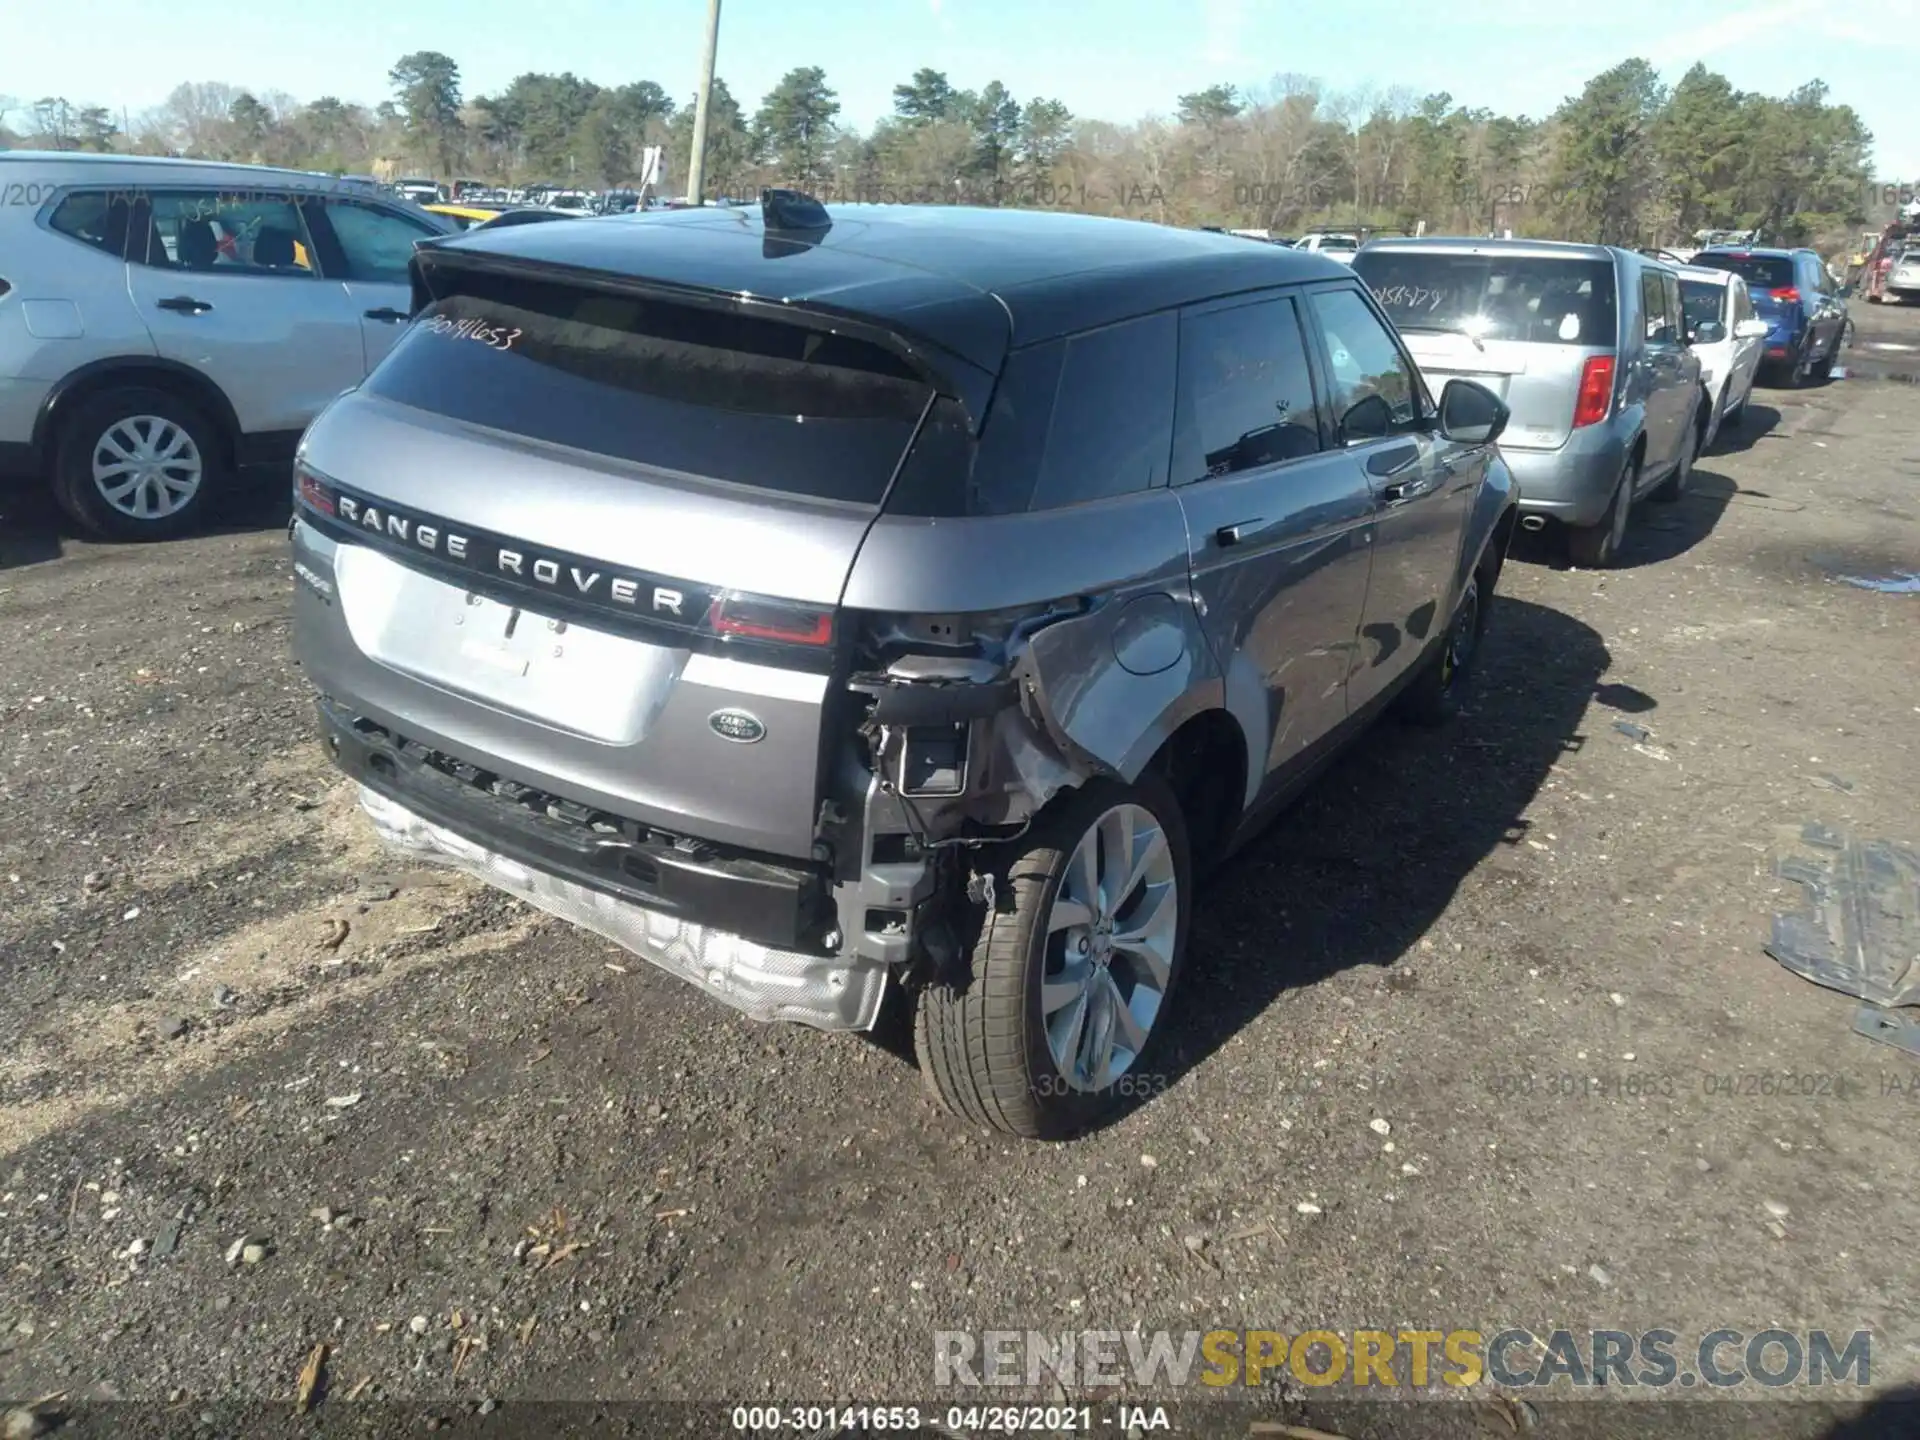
pixel 1116 59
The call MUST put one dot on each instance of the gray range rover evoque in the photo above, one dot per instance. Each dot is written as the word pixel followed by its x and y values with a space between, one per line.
pixel 820 603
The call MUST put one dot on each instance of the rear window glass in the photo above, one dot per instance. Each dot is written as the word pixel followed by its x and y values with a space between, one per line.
pixel 1701 300
pixel 1538 299
pixel 95 218
pixel 1761 272
pixel 697 392
pixel 1112 426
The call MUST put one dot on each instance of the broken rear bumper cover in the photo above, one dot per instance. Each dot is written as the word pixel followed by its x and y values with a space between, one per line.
pixel 660 901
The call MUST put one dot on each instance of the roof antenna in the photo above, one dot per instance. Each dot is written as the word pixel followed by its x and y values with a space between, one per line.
pixel 795 223
pixel 792 210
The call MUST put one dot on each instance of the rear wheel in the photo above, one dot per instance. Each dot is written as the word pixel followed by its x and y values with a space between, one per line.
pixel 1433 696
pixel 1595 547
pixel 137 464
pixel 1822 369
pixel 1073 970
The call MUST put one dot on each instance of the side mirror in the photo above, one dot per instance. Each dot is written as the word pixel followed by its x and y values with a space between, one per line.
pixel 1367 419
pixel 1755 329
pixel 1471 414
pixel 1707 332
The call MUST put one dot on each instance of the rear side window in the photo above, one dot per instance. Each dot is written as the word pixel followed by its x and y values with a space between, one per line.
pixel 698 392
pixel 238 234
pixel 1544 300
pixel 1246 392
pixel 94 218
pixel 1112 426
pixel 1081 419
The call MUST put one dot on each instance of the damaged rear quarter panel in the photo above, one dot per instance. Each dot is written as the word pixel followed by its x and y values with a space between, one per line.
pixel 1107 685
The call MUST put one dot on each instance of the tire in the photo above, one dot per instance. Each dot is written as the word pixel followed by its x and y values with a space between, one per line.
pixel 1433 697
pixel 1801 365
pixel 1675 485
pixel 1822 369
pixel 1596 547
pixel 114 434
pixel 984 1043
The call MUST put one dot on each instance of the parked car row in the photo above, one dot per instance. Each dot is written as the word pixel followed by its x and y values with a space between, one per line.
pixel 618 576
pixel 1619 368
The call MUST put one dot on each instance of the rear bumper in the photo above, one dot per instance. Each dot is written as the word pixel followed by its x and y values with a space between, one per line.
pixel 1574 483
pixel 766 983
pixel 757 899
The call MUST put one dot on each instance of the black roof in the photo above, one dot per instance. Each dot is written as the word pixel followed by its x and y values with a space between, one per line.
pixel 974 281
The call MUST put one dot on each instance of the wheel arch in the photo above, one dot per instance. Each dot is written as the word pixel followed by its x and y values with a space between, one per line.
pixel 99 376
pixel 1204 762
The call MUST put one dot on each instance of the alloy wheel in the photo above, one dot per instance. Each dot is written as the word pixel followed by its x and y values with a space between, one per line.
pixel 1110 947
pixel 147 467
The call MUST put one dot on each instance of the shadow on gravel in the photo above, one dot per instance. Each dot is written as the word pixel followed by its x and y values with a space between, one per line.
pixel 1657 532
pixel 33 529
pixel 1367 859
pixel 1756 423
pixel 1897 1413
pixel 29 530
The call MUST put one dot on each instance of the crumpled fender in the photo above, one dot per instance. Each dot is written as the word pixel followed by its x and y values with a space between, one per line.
pixel 1109 686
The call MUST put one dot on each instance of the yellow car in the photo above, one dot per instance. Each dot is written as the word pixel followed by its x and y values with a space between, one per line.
pixel 464 217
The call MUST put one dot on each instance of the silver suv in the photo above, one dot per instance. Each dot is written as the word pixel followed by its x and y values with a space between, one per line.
pixel 831 604
pixel 165 324
pixel 1588 346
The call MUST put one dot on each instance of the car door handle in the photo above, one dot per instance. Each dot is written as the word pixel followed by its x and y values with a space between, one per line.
pixel 1234 533
pixel 1402 491
pixel 387 313
pixel 185 304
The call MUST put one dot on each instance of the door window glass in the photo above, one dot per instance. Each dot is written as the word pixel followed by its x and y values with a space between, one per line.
pixel 1376 390
pixel 1247 392
pixel 377 244
pixel 1653 308
pixel 207 231
pixel 1670 294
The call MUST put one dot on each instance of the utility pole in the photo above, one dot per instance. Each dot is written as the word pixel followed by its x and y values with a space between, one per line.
pixel 697 161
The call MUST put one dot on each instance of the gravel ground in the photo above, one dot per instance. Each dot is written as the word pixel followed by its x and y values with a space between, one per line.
pixel 486 1157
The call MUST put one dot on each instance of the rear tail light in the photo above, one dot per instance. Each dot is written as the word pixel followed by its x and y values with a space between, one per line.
pixel 1786 295
pixel 1596 391
pixel 312 492
pixel 748 617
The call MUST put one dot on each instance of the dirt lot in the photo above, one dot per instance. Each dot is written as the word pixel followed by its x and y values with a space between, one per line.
pixel 1531 944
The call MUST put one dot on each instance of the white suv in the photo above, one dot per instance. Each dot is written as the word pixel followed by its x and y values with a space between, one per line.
pixel 166 324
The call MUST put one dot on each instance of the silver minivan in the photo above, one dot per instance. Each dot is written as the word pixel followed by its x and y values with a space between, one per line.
pixel 1585 343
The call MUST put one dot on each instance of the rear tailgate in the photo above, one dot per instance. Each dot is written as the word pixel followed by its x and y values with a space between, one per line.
pixel 594 543
pixel 1523 324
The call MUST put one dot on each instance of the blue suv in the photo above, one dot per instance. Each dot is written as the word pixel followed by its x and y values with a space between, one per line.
pixel 1805 311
